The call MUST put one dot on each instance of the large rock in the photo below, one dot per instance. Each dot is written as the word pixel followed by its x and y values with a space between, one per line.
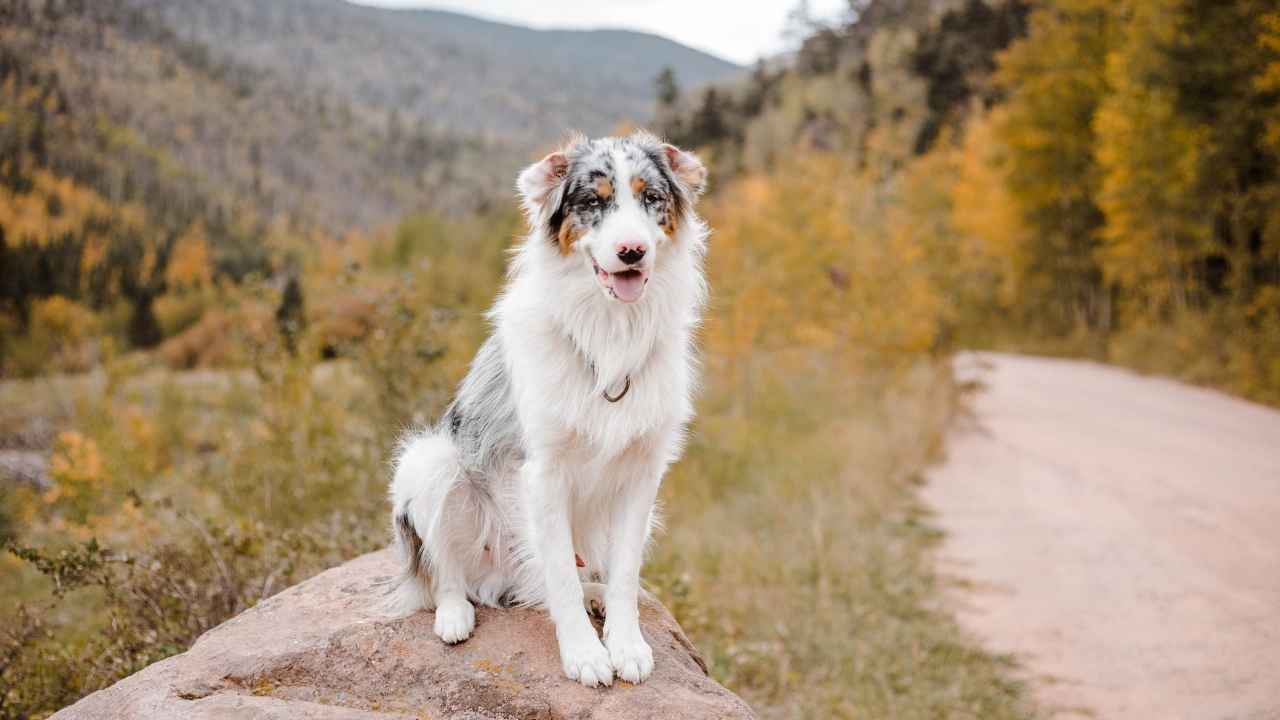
pixel 323 650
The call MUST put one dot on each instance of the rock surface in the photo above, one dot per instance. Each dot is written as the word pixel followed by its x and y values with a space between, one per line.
pixel 323 650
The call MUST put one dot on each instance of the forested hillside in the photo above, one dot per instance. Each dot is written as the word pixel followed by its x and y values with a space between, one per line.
pixel 1078 176
pixel 156 150
pixel 515 86
pixel 877 88
pixel 256 136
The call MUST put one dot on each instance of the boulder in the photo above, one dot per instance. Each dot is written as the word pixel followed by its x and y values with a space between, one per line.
pixel 325 650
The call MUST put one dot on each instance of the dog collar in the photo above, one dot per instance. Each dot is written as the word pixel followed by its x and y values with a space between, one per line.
pixel 626 387
pixel 615 398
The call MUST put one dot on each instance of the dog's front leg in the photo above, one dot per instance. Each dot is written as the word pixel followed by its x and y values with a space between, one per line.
pixel 630 655
pixel 547 495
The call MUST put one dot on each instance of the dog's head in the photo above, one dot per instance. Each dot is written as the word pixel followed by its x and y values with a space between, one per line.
pixel 614 205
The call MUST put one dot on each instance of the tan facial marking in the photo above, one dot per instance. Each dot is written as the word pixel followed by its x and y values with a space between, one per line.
pixel 668 221
pixel 604 188
pixel 670 224
pixel 570 231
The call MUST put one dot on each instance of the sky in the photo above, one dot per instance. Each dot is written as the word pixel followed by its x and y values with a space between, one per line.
pixel 737 30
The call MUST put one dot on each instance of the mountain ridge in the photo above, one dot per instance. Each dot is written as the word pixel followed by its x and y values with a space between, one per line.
pixel 492 20
pixel 503 83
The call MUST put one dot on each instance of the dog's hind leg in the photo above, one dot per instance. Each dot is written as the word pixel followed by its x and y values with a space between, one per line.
pixel 455 616
pixel 443 523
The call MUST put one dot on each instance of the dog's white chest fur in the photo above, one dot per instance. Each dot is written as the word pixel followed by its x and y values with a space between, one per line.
pixel 590 351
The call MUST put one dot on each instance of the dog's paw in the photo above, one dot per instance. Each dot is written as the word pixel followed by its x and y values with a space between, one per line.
pixel 586 662
pixel 455 620
pixel 631 656
pixel 593 598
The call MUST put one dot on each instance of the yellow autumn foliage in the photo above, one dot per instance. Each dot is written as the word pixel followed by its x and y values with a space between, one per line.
pixel 55 208
pixel 1269 80
pixel 808 258
pixel 1150 156
pixel 62 335
pixel 77 473
pixel 190 265
pixel 984 213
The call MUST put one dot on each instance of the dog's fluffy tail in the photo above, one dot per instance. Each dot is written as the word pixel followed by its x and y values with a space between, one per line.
pixel 426 473
pixel 411 589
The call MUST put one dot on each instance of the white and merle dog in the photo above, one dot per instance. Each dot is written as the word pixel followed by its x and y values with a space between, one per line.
pixel 538 485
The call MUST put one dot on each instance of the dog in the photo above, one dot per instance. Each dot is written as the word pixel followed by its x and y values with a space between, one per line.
pixel 538 486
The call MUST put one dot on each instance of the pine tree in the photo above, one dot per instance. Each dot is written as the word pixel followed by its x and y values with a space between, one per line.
pixel 291 314
pixel 144 329
pixel 667 89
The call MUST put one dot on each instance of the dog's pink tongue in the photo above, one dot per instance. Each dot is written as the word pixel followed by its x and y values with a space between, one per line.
pixel 628 286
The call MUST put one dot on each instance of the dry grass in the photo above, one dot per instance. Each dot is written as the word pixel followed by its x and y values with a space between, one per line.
pixel 798 558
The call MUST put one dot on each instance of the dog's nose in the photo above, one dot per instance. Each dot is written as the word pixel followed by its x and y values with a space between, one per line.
pixel 631 253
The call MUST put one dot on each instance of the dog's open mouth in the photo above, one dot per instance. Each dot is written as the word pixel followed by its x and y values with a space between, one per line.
pixel 626 285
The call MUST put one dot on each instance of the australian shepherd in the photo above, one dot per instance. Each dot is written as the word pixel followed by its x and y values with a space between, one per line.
pixel 537 486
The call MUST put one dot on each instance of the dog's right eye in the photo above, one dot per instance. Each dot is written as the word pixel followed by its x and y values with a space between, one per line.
pixel 591 203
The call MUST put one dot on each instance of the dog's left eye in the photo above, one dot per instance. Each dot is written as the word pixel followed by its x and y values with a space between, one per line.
pixel 592 203
pixel 652 198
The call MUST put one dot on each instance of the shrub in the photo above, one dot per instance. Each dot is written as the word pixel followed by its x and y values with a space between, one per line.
pixel 344 321
pixel 61 337
pixel 177 311
pixel 156 602
pixel 222 338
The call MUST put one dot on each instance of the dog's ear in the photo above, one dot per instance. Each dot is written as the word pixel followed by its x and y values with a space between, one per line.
pixel 540 184
pixel 688 169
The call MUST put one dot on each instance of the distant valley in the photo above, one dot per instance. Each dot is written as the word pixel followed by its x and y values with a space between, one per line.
pixel 501 83
pixel 315 112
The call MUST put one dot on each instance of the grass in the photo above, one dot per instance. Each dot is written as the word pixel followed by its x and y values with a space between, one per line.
pixel 798 558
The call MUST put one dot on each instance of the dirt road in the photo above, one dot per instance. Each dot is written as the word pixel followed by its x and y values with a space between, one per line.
pixel 1122 538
